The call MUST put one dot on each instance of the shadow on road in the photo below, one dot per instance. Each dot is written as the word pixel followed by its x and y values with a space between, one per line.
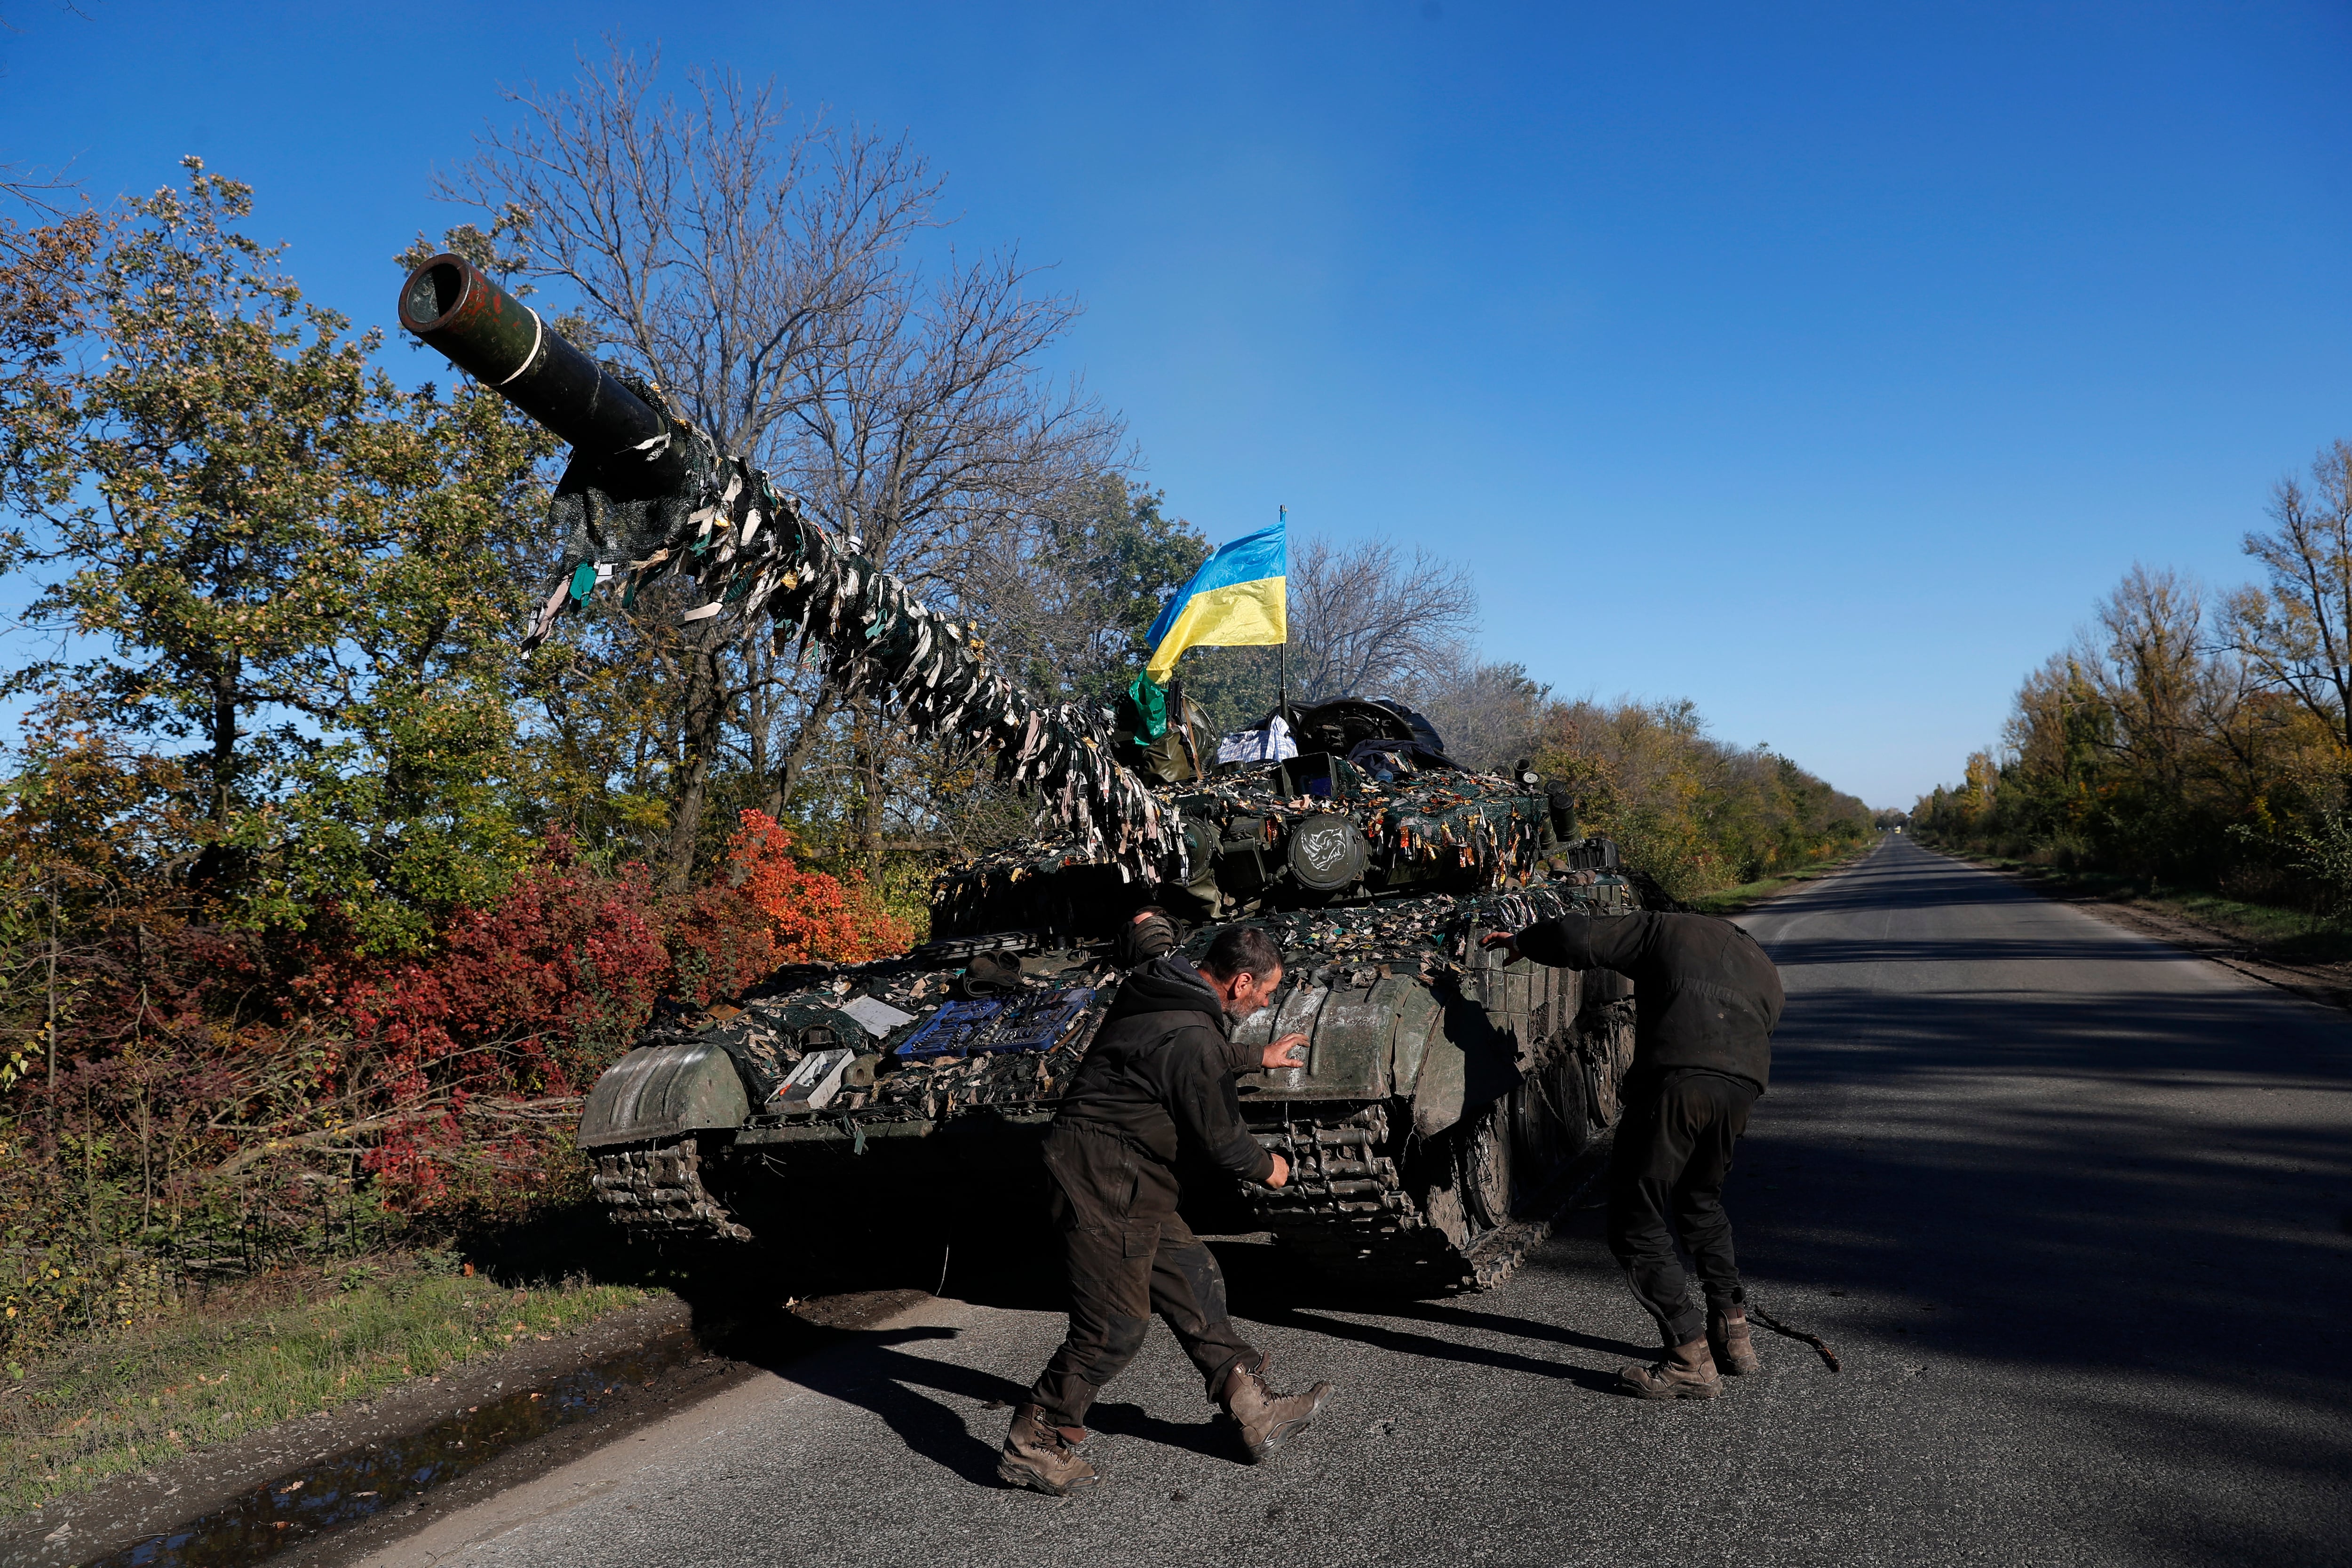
pixel 2116 1214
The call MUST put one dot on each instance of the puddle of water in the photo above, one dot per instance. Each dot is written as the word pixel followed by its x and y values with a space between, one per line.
pixel 352 1486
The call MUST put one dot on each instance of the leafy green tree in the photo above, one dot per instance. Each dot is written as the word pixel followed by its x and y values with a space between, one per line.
pixel 252 543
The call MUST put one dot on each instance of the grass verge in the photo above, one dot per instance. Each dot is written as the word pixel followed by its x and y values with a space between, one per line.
pixel 1736 901
pixel 283 1346
pixel 2286 935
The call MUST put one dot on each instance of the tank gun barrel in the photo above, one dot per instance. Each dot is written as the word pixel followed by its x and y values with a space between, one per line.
pixel 503 343
pixel 650 496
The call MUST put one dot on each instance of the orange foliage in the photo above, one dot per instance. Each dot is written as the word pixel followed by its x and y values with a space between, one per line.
pixel 813 917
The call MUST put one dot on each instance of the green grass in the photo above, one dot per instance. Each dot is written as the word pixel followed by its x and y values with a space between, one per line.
pixel 283 1347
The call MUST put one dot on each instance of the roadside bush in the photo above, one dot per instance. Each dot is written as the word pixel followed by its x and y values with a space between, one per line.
pixel 224 1097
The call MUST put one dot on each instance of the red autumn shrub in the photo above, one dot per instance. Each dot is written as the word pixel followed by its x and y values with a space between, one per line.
pixel 209 1077
pixel 535 997
pixel 527 1000
pixel 766 912
pixel 814 918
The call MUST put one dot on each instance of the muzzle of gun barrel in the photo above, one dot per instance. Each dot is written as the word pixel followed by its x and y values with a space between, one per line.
pixel 505 345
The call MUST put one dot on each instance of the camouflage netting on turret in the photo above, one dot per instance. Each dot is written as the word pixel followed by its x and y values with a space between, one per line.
pixel 1430 937
pixel 754 557
pixel 1474 828
pixel 1461 822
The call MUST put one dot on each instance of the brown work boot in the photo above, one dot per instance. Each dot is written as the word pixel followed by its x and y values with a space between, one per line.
pixel 1727 1336
pixel 1039 1455
pixel 1684 1371
pixel 1267 1419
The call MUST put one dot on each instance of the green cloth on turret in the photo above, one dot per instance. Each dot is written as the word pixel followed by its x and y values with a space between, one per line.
pixel 1150 699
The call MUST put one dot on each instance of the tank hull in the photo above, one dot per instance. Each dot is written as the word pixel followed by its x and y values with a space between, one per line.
pixel 1448 1108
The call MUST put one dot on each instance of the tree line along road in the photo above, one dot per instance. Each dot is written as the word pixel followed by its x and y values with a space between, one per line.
pixel 2072 1206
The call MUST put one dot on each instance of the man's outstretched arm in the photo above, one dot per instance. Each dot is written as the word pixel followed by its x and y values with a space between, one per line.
pixel 1577 941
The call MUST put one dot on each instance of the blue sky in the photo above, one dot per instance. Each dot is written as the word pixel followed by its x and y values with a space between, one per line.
pixel 1821 364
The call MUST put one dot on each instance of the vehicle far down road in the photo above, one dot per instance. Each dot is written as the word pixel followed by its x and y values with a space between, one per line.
pixel 2071 1207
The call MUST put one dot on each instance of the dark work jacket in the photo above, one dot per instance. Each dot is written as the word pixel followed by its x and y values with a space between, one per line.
pixel 1161 1072
pixel 1704 993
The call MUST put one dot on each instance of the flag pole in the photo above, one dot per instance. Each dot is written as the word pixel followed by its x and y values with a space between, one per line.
pixel 1282 676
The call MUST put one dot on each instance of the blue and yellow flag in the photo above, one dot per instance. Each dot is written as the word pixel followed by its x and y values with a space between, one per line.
pixel 1235 600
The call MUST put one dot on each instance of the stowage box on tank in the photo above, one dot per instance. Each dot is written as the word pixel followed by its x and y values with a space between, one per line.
pixel 1444 1100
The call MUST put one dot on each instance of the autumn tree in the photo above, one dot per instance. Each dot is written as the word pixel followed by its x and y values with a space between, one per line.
pixel 2173 742
pixel 1489 714
pixel 251 543
pixel 1686 808
pixel 2294 631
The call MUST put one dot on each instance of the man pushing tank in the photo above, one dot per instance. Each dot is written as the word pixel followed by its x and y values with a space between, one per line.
pixel 1705 999
pixel 1159 1075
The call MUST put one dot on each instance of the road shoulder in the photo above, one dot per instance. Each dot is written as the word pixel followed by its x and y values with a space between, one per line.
pixel 120 1513
pixel 2329 986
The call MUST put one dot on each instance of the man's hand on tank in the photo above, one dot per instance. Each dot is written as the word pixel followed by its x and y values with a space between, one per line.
pixel 1290 1051
pixel 1508 940
pixel 1281 1174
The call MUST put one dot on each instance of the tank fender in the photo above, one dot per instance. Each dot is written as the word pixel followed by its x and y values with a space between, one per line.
pixel 1466 1066
pixel 1439 1093
pixel 1298 1012
pixel 1352 1031
pixel 659 1091
pixel 1353 1037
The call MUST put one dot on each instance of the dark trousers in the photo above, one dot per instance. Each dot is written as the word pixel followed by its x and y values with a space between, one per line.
pixel 1128 1255
pixel 1665 1178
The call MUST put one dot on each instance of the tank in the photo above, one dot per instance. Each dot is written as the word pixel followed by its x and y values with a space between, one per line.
pixel 1447 1106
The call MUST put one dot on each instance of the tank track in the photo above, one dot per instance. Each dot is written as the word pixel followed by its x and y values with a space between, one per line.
pixel 1345 1210
pixel 1351 1209
pixel 656 1190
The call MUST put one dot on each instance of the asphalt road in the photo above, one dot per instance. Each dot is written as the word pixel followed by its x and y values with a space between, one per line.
pixel 2073 1208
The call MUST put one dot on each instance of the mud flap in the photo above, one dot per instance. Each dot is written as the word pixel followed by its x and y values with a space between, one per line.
pixel 658 1091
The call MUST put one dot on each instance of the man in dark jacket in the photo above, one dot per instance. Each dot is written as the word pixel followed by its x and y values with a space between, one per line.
pixel 1705 1000
pixel 1158 1077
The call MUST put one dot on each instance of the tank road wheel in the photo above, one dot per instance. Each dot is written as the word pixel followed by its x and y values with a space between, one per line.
pixel 1487 1166
pixel 1546 1122
pixel 1557 1124
pixel 1606 1050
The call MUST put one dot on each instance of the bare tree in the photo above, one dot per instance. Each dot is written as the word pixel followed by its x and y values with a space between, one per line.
pixel 2146 666
pixel 1489 715
pixel 765 279
pixel 705 243
pixel 2295 632
pixel 1366 620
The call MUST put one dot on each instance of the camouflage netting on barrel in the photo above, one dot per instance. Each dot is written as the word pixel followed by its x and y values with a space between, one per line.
pixel 754 558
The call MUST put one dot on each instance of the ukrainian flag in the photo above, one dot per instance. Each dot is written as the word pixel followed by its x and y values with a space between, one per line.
pixel 1235 600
